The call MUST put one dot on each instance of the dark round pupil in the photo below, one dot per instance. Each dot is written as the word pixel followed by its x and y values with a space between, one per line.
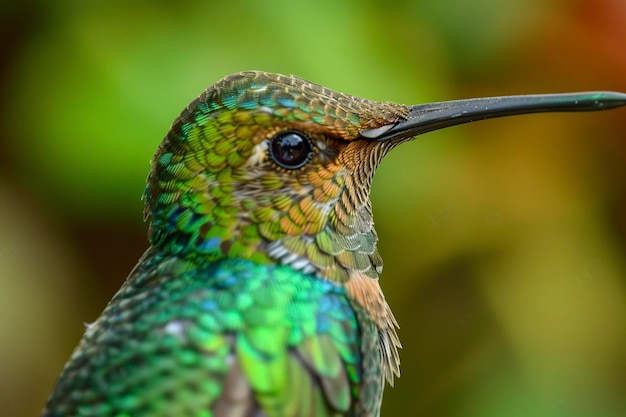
pixel 290 149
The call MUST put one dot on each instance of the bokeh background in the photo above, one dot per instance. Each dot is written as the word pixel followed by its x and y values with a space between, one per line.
pixel 504 240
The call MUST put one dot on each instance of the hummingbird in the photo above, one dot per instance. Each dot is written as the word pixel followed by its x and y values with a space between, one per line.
pixel 259 294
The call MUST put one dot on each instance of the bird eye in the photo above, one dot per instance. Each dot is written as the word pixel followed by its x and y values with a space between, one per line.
pixel 290 149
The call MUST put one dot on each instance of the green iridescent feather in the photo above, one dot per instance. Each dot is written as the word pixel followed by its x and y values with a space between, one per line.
pixel 167 343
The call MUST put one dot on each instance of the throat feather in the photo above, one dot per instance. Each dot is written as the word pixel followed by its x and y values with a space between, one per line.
pixel 367 293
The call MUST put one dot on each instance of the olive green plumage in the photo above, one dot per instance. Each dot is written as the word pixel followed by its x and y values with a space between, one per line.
pixel 259 294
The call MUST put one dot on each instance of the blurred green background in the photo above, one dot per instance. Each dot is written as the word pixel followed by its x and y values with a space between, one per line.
pixel 504 240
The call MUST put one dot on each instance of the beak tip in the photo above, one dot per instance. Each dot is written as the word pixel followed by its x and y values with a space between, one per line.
pixel 609 99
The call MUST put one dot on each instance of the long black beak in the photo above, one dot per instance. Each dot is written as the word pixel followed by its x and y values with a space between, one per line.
pixel 424 118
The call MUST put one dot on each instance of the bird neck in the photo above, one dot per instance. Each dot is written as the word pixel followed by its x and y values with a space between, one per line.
pixel 331 235
pixel 317 221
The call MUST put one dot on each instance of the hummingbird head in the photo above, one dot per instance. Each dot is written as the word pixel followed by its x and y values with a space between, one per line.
pixel 278 169
pixel 272 168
